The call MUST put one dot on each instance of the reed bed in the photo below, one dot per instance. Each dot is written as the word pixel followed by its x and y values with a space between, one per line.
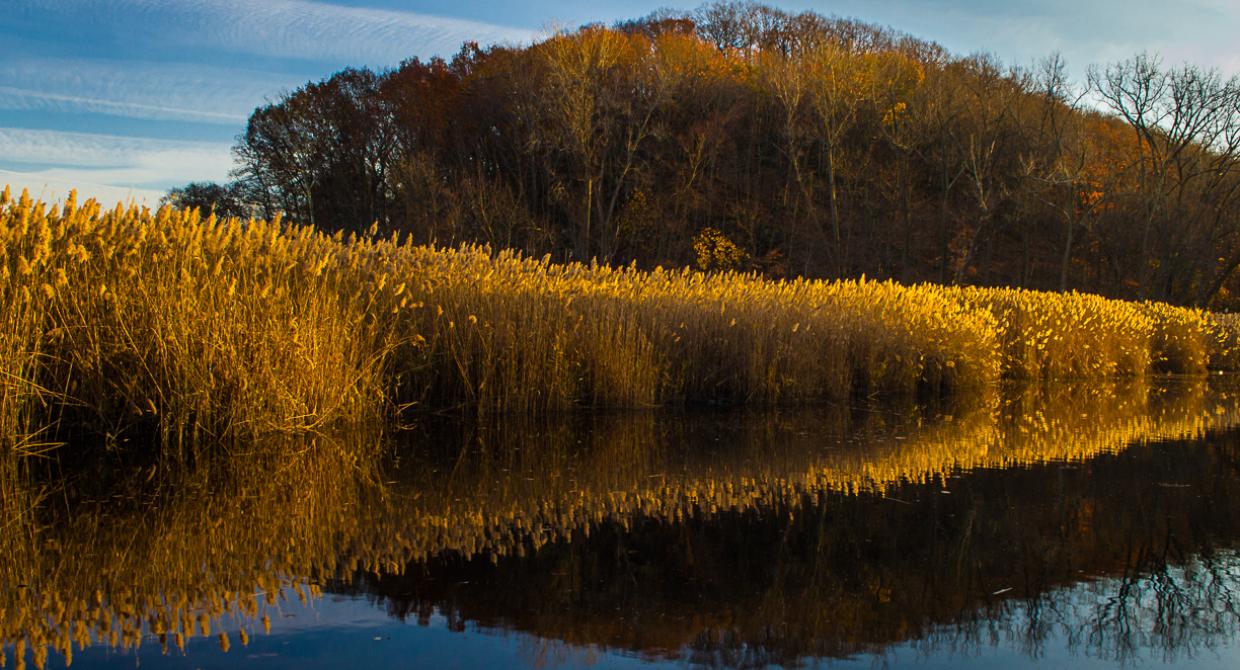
pixel 194 336
pixel 1224 344
pixel 196 330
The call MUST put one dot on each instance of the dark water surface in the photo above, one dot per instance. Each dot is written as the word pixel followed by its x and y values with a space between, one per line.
pixel 1062 527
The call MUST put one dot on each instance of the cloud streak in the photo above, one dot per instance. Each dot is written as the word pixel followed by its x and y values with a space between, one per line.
pixel 1199 31
pixel 52 186
pixel 17 99
pixel 299 29
pixel 186 92
pixel 176 60
pixel 105 166
pixel 40 147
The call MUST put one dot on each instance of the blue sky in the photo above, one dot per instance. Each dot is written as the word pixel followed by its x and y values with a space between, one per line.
pixel 126 98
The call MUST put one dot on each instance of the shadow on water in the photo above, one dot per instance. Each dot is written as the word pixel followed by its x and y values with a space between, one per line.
pixel 1103 519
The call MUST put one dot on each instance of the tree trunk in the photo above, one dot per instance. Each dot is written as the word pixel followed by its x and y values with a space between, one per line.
pixel 585 244
pixel 1066 258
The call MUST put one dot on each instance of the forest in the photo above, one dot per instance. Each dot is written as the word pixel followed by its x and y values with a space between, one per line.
pixel 743 137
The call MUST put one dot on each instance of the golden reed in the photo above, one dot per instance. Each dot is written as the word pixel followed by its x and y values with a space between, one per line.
pixel 196 329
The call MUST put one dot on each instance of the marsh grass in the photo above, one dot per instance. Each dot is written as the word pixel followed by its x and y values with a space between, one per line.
pixel 199 331
pixel 1224 344
pixel 181 339
pixel 192 329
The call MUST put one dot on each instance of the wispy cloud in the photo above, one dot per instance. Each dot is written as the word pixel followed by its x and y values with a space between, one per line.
pixel 52 186
pixel 186 92
pixel 107 164
pixel 28 100
pixel 304 29
pixel 177 60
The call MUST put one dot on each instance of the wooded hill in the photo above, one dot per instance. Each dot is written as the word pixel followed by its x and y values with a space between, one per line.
pixel 740 136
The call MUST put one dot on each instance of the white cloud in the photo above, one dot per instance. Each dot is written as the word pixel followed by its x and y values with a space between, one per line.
pixel 171 61
pixel 145 165
pixel 54 187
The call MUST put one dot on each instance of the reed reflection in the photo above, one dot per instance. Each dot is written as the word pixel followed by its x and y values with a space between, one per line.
pixel 1119 559
pixel 729 539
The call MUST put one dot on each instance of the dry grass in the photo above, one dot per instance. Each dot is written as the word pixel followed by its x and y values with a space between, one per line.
pixel 1224 345
pixel 212 335
pixel 1066 335
pixel 197 330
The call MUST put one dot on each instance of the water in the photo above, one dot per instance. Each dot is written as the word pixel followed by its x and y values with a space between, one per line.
pixel 1062 527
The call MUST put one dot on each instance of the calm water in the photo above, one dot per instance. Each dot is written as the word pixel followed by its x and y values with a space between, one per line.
pixel 1061 527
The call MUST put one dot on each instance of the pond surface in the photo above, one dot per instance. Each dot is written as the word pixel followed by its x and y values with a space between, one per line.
pixel 1051 527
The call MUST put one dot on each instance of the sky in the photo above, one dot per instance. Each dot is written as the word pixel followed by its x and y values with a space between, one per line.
pixel 123 99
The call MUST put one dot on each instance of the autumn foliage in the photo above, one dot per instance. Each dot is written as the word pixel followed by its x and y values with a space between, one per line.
pixel 820 147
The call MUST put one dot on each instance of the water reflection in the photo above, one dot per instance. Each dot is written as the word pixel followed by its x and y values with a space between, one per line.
pixel 843 575
pixel 738 539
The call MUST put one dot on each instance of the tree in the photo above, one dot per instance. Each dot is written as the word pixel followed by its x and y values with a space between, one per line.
pixel 821 146
pixel 223 200
pixel 1185 125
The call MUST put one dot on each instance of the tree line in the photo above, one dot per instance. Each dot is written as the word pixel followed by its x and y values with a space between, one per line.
pixel 743 136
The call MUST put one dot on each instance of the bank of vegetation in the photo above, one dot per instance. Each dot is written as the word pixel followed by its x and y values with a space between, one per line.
pixel 129 323
pixel 811 146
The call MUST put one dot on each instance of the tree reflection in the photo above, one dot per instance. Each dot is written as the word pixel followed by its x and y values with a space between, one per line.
pixel 723 539
pixel 1097 554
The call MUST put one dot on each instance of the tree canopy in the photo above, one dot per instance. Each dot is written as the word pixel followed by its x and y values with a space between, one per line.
pixel 812 145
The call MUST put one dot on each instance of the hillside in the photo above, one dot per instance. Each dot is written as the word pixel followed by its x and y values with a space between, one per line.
pixel 744 137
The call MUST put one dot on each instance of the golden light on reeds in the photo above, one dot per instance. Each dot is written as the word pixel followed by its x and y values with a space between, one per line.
pixel 214 335
pixel 198 329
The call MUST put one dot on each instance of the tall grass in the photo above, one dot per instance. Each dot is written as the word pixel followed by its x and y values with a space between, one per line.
pixel 1066 335
pixel 196 330
pixel 192 327
pixel 1224 342
pixel 565 334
